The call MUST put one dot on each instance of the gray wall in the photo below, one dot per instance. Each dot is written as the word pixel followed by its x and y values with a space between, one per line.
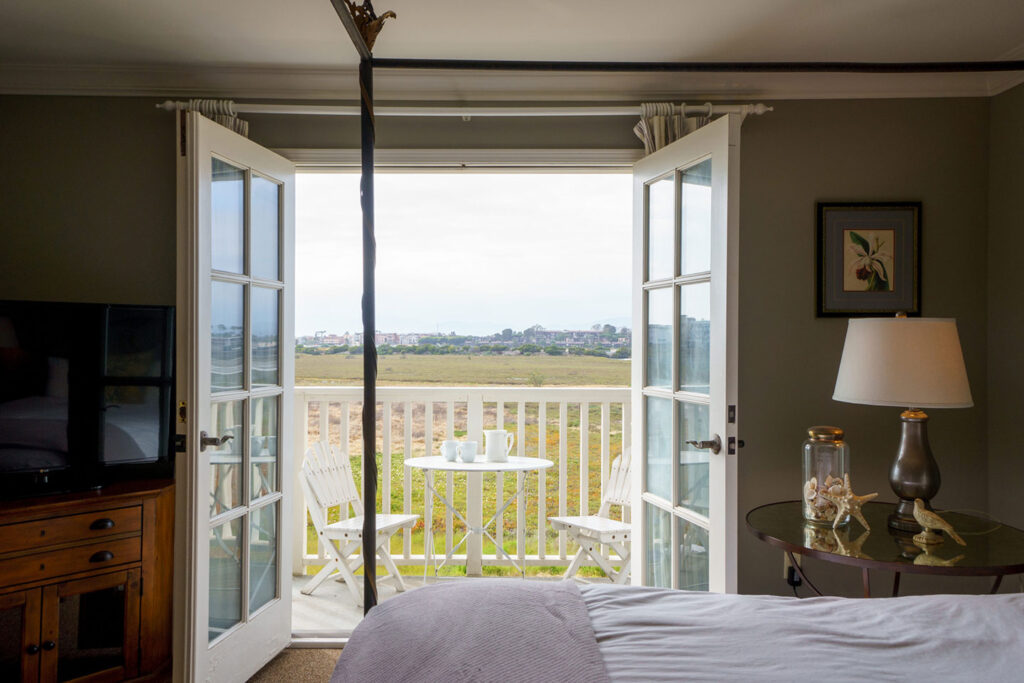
pixel 87 190
pixel 934 151
pixel 1006 305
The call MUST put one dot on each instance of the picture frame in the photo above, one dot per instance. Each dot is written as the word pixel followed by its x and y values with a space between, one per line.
pixel 868 258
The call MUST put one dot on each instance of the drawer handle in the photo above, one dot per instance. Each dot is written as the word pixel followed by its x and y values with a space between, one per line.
pixel 101 524
pixel 102 556
pixel 49 645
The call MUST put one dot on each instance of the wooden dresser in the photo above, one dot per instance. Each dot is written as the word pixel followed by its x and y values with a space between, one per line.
pixel 86 584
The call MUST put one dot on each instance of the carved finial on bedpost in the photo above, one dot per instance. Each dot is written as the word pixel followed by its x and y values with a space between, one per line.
pixel 367 21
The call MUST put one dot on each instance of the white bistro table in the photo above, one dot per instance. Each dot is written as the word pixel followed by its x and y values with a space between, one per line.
pixel 437 463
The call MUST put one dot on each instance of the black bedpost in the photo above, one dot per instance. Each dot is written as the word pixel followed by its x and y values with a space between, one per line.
pixel 369 341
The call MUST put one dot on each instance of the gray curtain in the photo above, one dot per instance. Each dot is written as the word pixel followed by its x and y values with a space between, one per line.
pixel 221 111
pixel 660 125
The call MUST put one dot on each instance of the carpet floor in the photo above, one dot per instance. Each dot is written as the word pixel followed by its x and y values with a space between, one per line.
pixel 299 664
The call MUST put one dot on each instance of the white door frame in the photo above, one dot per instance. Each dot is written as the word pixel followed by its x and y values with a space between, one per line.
pixel 720 142
pixel 241 651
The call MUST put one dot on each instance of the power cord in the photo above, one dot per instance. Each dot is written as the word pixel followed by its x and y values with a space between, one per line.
pixel 793 579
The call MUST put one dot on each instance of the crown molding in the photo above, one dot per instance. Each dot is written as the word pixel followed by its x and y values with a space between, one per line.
pixel 239 82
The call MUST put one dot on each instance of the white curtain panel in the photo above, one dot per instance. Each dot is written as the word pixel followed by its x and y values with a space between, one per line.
pixel 221 111
pixel 660 124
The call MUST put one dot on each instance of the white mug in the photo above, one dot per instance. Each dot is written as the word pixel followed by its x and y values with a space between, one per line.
pixel 497 445
pixel 467 451
pixel 450 449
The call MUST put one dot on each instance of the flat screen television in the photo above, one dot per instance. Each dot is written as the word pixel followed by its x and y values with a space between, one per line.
pixel 86 395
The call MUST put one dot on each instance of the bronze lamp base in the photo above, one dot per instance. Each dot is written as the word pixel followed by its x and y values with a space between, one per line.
pixel 914 473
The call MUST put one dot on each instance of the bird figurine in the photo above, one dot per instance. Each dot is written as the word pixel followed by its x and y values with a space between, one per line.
pixel 931 523
pixel 848 503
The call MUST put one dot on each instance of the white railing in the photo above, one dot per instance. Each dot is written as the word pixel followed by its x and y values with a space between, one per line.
pixel 334 414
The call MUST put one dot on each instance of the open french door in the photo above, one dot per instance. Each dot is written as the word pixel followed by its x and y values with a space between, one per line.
pixel 236 372
pixel 685 259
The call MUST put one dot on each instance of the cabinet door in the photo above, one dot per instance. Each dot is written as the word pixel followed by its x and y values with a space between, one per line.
pixel 90 629
pixel 19 636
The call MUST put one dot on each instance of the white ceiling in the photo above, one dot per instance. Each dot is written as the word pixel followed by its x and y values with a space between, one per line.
pixel 199 45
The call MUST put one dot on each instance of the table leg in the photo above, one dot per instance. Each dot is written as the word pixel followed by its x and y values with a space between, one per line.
pixel 895 584
pixel 867 582
pixel 800 571
pixel 995 586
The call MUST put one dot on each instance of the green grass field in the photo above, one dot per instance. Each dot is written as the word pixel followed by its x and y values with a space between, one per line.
pixel 465 370
pixel 486 370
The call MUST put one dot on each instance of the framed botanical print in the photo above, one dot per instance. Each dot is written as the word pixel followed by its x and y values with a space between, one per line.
pixel 869 258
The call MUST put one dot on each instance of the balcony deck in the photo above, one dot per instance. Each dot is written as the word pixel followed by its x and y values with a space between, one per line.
pixel 581 429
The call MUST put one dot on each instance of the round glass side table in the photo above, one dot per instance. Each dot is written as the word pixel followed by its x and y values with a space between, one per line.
pixel 992 549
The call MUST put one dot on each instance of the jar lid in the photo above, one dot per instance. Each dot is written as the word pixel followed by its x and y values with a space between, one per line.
pixel 825 433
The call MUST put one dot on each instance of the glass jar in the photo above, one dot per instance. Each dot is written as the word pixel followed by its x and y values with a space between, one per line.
pixel 826 466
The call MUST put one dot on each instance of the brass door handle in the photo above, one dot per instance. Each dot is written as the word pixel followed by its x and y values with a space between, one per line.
pixel 715 445
pixel 213 441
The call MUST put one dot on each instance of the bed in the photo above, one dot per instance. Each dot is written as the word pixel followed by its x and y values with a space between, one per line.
pixel 512 630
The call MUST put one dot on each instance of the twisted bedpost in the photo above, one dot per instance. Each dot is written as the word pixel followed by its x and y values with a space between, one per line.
pixel 369 340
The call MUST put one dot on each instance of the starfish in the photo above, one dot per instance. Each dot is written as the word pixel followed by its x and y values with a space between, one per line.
pixel 852 548
pixel 849 503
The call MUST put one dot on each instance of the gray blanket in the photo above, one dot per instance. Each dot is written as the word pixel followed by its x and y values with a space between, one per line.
pixel 495 630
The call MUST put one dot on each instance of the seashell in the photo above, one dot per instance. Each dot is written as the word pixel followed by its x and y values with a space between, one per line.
pixel 836 490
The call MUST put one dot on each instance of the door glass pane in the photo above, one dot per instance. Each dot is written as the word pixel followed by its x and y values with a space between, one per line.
pixel 659 338
pixel 695 337
pixel 693 556
pixel 227 205
pixel 225 576
pixel 661 228
pixel 659 542
pixel 264 222
pixel 11 625
pixel 227 343
pixel 91 633
pixel 226 419
pixel 693 462
pixel 264 336
pixel 262 556
pixel 659 446
pixel 263 445
pixel 695 245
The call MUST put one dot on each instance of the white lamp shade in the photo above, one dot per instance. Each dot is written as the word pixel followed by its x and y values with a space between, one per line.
pixel 907 362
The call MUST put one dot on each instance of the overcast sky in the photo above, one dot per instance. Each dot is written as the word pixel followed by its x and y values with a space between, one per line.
pixel 466 252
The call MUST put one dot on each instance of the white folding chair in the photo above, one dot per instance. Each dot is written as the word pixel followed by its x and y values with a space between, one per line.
pixel 326 482
pixel 593 531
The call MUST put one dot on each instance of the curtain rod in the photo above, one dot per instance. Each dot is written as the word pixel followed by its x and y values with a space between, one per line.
pixel 706 109
pixel 703 67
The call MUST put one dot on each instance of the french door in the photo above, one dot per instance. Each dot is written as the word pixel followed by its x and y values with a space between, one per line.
pixel 236 374
pixel 685 257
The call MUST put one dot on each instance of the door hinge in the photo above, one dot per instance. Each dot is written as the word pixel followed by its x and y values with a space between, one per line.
pixel 732 414
pixel 182 412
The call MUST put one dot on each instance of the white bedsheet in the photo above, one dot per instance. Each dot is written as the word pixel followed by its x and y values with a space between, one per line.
pixel 647 634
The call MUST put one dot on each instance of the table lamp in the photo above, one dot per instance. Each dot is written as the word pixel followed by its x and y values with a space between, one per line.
pixel 913 363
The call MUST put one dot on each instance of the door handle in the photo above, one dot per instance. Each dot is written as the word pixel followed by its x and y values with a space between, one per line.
pixel 715 445
pixel 213 441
